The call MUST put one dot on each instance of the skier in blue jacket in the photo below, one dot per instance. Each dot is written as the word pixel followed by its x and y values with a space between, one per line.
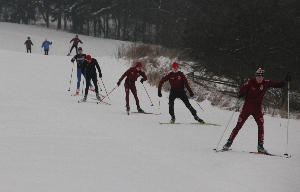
pixel 46 44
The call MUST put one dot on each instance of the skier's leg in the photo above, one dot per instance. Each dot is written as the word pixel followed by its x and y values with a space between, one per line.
pixel 241 120
pixel 186 101
pixel 126 86
pixel 78 77
pixel 71 49
pixel 134 92
pixel 172 98
pixel 88 78
pixel 259 118
pixel 94 79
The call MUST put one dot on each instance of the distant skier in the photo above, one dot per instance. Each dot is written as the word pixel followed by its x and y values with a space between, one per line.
pixel 253 91
pixel 90 64
pixel 28 44
pixel 178 82
pixel 131 76
pixel 79 58
pixel 46 44
pixel 75 44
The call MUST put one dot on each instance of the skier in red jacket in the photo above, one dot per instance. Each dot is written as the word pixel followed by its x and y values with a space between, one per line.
pixel 75 40
pixel 131 76
pixel 254 91
pixel 178 83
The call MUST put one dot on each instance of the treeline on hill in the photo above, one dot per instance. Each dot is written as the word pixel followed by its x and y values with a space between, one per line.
pixel 226 38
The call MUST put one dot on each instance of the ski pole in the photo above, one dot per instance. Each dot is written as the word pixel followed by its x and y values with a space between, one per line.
pixel 104 88
pixel 147 94
pixel 83 87
pixel 287 128
pixel 107 95
pixel 71 77
pixel 159 104
pixel 99 85
pixel 228 123
pixel 199 105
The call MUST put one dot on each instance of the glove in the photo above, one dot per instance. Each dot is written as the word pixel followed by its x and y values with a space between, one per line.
pixel 287 78
pixel 142 80
pixel 159 93
pixel 72 61
pixel 191 93
pixel 242 94
pixel 118 83
pixel 100 75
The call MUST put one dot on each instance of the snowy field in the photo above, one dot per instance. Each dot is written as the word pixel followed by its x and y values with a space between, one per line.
pixel 49 142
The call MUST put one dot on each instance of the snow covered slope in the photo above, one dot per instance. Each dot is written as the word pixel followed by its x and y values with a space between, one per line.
pixel 49 142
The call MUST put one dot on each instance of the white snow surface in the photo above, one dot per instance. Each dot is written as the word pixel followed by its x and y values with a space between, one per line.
pixel 50 142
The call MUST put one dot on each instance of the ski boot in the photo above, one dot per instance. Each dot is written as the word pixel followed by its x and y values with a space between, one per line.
pixel 84 98
pixel 261 149
pixel 172 119
pixel 227 146
pixel 77 92
pixel 198 119
pixel 140 110
pixel 92 88
pixel 98 97
pixel 127 109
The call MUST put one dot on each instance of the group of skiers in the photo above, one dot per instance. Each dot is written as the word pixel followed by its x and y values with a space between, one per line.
pixel 253 90
pixel 46 45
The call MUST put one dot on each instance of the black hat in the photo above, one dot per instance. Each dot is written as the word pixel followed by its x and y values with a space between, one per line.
pixel 260 72
pixel 79 48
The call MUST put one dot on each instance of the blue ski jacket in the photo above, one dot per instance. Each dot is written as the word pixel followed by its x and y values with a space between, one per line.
pixel 46 44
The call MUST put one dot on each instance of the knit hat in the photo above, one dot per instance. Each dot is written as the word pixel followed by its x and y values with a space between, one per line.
pixel 138 64
pixel 79 48
pixel 88 57
pixel 175 65
pixel 260 72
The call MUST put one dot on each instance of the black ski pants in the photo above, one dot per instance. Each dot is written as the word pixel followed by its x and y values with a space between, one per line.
pixel 88 79
pixel 74 46
pixel 181 95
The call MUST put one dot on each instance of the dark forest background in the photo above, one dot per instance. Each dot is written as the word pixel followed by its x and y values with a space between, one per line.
pixel 226 38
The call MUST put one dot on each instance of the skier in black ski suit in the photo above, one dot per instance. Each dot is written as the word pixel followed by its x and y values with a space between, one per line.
pixel 90 64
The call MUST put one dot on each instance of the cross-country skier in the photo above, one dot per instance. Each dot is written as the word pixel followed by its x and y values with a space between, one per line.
pixel 79 58
pixel 90 64
pixel 75 44
pixel 178 83
pixel 46 44
pixel 253 91
pixel 131 76
pixel 28 44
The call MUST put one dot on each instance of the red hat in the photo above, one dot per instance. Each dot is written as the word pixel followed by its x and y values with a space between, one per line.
pixel 88 57
pixel 138 64
pixel 175 65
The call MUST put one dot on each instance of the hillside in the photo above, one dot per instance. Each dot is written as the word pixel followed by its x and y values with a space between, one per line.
pixel 50 142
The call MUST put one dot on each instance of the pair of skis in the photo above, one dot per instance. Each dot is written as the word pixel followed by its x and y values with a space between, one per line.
pixel 197 123
pixel 82 101
pixel 149 113
pixel 256 153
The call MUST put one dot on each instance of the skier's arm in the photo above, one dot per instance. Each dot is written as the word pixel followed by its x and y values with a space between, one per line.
pixel 125 74
pixel 72 40
pixel 162 81
pixel 98 68
pixel 74 58
pixel 186 83
pixel 243 91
